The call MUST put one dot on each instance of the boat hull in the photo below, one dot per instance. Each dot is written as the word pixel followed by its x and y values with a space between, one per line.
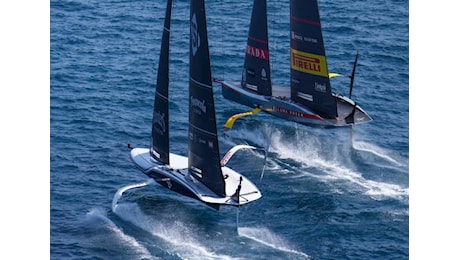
pixel 281 105
pixel 175 177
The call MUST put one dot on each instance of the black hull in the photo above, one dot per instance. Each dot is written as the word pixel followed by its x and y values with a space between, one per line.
pixel 176 186
pixel 177 177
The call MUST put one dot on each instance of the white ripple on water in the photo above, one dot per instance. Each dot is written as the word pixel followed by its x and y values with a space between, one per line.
pixel 126 239
pixel 176 233
pixel 268 238
pixel 309 155
pixel 375 150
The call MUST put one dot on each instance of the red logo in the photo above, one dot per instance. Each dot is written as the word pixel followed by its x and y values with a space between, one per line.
pixel 256 52
pixel 295 113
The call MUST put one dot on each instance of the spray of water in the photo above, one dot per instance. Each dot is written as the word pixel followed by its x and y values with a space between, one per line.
pixel 331 169
pixel 375 150
pixel 268 238
pixel 179 236
pixel 122 238
pixel 310 152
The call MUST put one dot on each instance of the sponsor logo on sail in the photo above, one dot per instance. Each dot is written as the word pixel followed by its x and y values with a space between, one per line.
pixel 264 74
pixel 299 37
pixel 320 87
pixel 195 37
pixel 159 122
pixel 211 144
pixel 197 105
pixel 257 52
pixel 308 63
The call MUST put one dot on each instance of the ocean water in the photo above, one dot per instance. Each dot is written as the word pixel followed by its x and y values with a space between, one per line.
pixel 324 196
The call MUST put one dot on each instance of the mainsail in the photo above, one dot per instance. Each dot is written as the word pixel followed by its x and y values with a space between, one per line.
pixel 310 84
pixel 256 73
pixel 159 146
pixel 204 156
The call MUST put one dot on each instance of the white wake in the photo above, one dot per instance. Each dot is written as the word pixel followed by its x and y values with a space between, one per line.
pixel 307 151
pixel 179 237
pixel 268 238
pixel 125 239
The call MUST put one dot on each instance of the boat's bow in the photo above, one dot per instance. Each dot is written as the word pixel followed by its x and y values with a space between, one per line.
pixel 349 112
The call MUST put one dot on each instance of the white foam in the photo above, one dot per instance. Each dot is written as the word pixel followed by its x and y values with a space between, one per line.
pixel 307 153
pixel 126 239
pixel 258 138
pixel 371 148
pixel 268 238
pixel 175 234
pixel 178 235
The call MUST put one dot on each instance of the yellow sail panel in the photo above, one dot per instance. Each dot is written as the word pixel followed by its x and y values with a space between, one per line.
pixel 308 63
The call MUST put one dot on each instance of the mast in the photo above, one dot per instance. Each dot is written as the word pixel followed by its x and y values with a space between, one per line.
pixel 310 84
pixel 256 73
pixel 204 156
pixel 159 144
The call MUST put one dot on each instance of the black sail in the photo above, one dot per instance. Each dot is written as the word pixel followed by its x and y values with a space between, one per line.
pixel 204 157
pixel 310 84
pixel 256 73
pixel 159 146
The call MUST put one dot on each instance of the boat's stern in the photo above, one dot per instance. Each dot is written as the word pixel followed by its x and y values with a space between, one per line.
pixel 142 159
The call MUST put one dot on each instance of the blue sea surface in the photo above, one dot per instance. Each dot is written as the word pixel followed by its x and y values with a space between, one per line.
pixel 324 196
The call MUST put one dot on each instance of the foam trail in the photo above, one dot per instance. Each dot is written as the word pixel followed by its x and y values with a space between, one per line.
pixel 266 237
pixel 120 191
pixel 126 239
pixel 310 156
pixel 366 147
pixel 258 139
pixel 177 234
pixel 173 234
pixel 373 188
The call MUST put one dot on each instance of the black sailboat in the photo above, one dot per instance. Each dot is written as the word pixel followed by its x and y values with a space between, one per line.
pixel 310 99
pixel 202 175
